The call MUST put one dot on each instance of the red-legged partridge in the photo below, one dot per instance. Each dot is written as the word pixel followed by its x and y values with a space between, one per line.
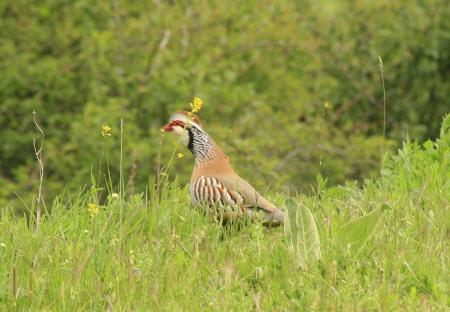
pixel 214 184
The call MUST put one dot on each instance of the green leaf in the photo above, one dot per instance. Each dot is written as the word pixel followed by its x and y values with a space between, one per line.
pixel 358 231
pixel 301 231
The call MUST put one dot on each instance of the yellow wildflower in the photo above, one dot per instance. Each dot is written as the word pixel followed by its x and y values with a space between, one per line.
pixel 106 130
pixel 326 105
pixel 93 208
pixel 180 155
pixel 196 105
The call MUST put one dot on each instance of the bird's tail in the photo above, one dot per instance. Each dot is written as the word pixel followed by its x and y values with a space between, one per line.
pixel 275 218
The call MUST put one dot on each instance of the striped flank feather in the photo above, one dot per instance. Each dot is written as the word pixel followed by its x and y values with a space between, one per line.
pixel 210 191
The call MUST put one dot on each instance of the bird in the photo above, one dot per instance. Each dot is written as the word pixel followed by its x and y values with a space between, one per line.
pixel 214 184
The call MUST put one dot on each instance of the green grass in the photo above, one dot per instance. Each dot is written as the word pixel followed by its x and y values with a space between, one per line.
pixel 383 246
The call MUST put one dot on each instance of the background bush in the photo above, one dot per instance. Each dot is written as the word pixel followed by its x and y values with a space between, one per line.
pixel 264 69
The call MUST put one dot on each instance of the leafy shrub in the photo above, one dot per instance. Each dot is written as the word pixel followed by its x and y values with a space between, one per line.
pixel 264 71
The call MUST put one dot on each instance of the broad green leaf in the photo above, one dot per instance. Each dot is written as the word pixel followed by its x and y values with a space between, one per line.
pixel 301 230
pixel 290 227
pixel 358 231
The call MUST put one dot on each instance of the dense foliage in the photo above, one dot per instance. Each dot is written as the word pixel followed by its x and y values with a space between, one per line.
pixel 382 247
pixel 292 89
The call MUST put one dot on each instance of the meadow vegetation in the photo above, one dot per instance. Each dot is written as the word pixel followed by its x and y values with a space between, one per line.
pixel 382 247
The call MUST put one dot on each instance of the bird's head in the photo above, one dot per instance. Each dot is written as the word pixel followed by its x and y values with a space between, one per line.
pixel 180 123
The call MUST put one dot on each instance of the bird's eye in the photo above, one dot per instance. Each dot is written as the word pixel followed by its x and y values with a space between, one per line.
pixel 178 123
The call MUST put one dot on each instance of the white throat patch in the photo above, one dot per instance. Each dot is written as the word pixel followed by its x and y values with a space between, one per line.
pixel 182 134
